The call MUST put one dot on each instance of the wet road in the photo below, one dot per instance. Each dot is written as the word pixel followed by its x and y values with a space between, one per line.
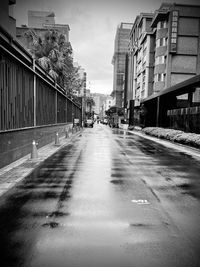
pixel 108 199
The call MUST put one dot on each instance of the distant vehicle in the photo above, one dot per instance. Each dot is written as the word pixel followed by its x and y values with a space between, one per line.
pixel 89 123
pixel 114 121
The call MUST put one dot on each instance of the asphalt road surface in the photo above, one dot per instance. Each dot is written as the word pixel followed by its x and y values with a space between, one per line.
pixel 108 199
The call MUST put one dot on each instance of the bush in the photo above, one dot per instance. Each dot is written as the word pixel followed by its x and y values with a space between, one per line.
pixel 178 136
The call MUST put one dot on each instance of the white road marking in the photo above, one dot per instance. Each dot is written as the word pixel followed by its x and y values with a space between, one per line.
pixel 140 201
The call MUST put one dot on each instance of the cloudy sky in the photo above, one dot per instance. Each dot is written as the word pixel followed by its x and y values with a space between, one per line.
pixel 93 26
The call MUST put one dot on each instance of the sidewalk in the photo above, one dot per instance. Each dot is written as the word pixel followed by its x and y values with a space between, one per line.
pixel 18 170
pixel 194 152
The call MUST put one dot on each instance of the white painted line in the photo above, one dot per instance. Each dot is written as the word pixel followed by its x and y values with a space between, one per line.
pixel 140 201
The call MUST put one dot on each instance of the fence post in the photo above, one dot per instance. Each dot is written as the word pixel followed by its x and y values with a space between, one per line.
pixel 56 105
pixel 158 112
pixel 34 95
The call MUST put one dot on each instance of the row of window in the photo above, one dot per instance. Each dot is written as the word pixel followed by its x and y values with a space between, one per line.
pixel 159 77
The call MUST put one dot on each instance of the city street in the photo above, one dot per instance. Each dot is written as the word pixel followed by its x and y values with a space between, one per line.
pixel 110 198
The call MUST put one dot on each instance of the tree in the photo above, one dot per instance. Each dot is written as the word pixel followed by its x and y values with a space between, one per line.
pixel 54 54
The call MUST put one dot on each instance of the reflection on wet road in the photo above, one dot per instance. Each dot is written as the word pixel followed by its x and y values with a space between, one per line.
pixel 108 199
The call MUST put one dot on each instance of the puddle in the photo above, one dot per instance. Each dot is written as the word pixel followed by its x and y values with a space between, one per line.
pixel 51 224
pixel 141 225
pixel 118 175
pixel 64 197
pixel 58 214
pixel 116 181
pixel 185 186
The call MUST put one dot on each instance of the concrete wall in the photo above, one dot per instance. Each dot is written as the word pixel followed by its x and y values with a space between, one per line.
pixel 18 143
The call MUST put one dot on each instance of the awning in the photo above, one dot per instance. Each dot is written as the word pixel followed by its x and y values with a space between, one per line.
pixel 178 89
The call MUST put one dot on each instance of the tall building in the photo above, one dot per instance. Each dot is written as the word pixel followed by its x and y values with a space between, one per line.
pixel 109 102
pixel 99 100
pixel 118 61
pixel 141 58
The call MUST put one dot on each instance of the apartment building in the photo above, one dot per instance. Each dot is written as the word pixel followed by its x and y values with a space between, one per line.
pixel 164 50
pixel 118 61
pixel 141 58
pixel 177 35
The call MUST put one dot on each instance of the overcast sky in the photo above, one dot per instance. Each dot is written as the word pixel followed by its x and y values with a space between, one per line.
pixel 93 26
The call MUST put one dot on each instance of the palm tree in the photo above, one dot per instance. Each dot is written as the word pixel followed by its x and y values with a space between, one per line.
pixel 54 54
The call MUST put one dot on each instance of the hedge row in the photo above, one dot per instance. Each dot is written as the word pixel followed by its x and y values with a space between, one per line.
pixel 181 137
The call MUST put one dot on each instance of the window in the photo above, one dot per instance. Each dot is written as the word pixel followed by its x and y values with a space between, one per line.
pixel 161 42
pixel 159 77
pixel 160 60
pixel 120 78
pixel 143 76
pixel 162 24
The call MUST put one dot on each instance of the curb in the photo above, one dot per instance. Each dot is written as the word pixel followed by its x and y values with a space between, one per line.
pixel 195 152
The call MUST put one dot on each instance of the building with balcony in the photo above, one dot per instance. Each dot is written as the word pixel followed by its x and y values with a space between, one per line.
pixel 177 37
pixel 140 63
pixel 141 58
pixel 163 52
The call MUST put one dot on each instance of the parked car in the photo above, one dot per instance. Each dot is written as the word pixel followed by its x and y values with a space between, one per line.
pixel 89 123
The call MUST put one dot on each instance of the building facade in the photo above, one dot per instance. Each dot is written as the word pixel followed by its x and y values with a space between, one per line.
pixel 118 61
pixel 7 20
pixel 177 37
pixel 163 51
pixel 100 101
pixel 141 61
pixel 37 19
